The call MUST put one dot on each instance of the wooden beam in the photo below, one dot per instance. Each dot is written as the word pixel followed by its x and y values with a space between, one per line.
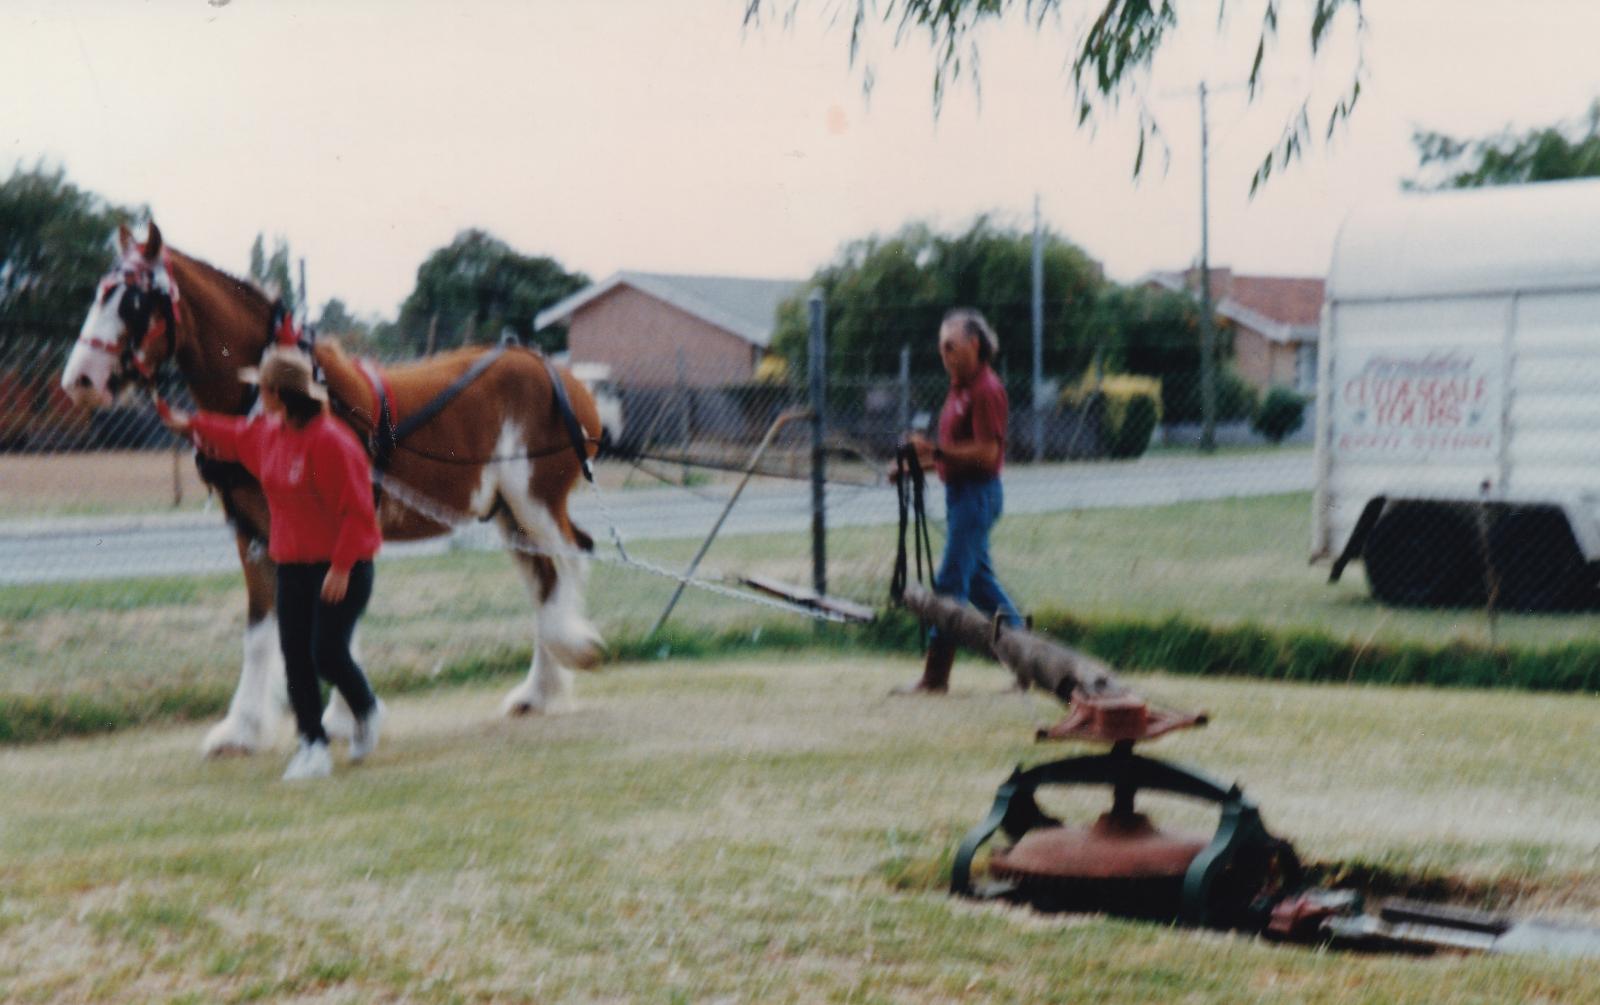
pixel 1036 661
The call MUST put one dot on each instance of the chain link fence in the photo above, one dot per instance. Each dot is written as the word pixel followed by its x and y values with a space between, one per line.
pixel 118 575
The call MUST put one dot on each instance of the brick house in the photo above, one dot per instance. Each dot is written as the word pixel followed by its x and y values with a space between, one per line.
pixel 1276 320
pixel 649 326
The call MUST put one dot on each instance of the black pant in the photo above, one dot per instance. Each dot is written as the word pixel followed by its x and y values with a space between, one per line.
pixel 315 637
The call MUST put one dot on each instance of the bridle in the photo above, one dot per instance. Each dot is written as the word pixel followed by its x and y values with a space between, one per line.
pixel 147 308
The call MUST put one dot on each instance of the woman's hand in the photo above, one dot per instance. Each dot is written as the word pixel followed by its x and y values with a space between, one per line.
pixel 334 585
pixel 924 450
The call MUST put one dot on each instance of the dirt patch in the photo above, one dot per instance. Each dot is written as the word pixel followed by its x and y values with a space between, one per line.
pixel 100 481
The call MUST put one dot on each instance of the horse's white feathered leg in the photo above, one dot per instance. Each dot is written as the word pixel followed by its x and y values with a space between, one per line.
pixel 567 635
pixel 547 688
pixel 260 699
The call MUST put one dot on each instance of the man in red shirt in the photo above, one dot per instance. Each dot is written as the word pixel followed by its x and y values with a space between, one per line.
pixel 968 456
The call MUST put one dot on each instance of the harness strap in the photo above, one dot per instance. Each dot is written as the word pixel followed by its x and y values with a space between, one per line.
pixel 563 407
pixel 426 413
pixel 909 488
pixel 381 442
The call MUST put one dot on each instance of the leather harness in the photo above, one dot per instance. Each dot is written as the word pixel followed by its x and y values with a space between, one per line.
pixel 386 435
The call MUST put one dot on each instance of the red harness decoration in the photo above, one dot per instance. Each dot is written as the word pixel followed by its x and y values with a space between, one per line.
pixel 287 334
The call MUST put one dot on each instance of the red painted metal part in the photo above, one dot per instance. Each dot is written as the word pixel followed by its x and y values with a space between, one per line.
pixel 1116 846
pixel 1119 719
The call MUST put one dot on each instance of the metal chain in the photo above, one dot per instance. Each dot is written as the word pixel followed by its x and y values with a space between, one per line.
pixel 445 517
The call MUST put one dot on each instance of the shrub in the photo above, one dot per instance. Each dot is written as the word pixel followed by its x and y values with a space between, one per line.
pixel 1132 409
pixel 1281 413
pixel 1180 401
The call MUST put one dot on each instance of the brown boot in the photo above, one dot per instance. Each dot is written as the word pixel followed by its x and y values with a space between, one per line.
pixel 935 671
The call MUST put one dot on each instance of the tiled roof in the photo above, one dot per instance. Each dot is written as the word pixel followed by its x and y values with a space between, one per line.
pixel 1290 300
pixel 1283 308
pixel 745 307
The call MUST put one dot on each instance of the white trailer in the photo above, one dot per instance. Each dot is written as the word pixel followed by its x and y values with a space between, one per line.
pixel 1458 397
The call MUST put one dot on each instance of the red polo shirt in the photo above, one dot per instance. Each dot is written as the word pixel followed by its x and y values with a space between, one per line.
pixel 973 412
pixel 317 480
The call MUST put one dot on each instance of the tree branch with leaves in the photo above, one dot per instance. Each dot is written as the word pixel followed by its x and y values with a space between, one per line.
pixel 1113 48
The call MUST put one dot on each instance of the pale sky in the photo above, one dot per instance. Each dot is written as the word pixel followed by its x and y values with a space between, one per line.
pixel 661 135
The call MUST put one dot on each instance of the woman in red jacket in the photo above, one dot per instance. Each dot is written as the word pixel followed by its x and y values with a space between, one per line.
pixel 318 485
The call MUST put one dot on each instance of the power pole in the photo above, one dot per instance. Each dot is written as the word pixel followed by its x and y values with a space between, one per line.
pixel 1208 334
pixel 1038 334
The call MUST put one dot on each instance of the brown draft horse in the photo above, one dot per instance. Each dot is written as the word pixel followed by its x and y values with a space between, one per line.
pixel 498 449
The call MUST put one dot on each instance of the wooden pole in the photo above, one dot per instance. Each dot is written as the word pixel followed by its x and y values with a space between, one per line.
pixel 1036 661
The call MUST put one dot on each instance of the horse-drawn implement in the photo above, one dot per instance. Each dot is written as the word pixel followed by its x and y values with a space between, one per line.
pixel 1240 877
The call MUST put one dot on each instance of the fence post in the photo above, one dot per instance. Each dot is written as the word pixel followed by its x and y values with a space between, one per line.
pixel 905 392
pixel 684 431
pixel 817 365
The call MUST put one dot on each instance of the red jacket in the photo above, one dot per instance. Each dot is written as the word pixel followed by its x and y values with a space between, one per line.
pixel 317 480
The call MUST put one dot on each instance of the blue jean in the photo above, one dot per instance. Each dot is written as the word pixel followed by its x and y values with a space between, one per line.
pixel 965 572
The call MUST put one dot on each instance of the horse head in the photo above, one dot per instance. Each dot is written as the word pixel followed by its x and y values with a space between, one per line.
pixel 131 328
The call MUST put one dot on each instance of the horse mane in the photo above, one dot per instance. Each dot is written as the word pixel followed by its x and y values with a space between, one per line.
pixel 247 288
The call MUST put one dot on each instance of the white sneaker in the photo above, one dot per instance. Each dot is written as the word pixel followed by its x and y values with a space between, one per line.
pixel 310 760
pixel 364 739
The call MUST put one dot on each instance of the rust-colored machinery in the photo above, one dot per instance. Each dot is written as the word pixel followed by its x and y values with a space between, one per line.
pixel 1121 862
pixel 1238 877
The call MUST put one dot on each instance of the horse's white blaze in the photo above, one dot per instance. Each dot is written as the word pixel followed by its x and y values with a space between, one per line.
pixel 565 634
pixel 259 701
pixel 90 358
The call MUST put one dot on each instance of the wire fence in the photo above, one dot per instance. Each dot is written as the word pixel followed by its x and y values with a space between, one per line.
pixel 117 571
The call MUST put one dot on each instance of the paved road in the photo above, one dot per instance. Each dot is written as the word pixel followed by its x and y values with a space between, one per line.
pixel 85 548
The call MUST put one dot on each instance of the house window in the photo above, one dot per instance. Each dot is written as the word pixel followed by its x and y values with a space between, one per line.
pixel 1305 368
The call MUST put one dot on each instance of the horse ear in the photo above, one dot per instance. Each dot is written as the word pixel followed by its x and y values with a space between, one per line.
pixel 152 244
pixel 124 237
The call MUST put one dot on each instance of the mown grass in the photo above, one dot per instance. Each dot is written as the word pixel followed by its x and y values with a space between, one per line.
pixel 773 831
pixel 1217 588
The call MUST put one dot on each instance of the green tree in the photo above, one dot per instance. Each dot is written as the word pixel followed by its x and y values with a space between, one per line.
pixel 475 287
pixel 886 292
pixel 337 320
pixel 1156 333
pixel 1111 54
pixel 272 272
pixel 1550 153
pixel 55 244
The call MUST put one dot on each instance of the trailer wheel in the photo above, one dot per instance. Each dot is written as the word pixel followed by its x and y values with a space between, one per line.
pixel 1423 556
pixel 1538 562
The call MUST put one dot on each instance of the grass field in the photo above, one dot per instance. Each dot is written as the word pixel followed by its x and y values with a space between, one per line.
pixel 161 646
pixel 757 831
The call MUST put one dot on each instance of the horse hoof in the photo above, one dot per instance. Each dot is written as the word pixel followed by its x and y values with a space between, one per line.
pixel 518 709
pixel 227 740
pixel 224 750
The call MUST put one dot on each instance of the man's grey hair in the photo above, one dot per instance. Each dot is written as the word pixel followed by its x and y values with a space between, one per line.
pixel 976 325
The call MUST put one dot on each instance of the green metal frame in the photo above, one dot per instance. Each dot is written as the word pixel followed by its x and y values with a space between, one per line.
pixel 1239 832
